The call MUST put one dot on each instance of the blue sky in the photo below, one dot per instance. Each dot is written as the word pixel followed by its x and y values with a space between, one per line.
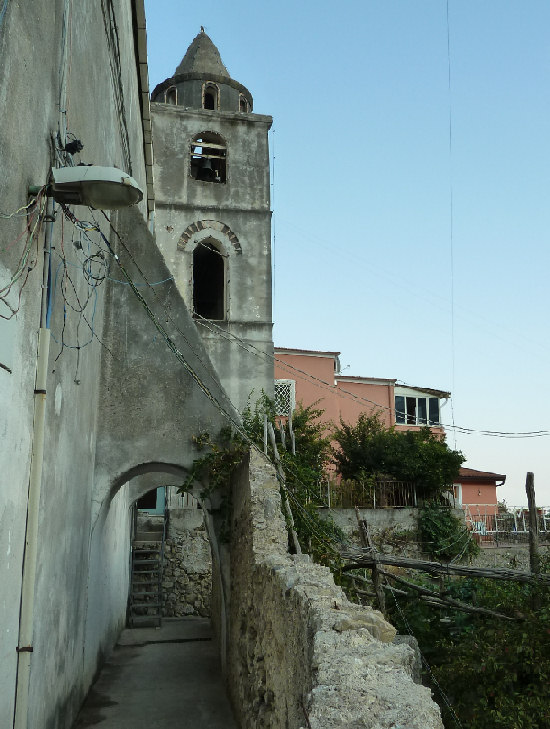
pixel 366 259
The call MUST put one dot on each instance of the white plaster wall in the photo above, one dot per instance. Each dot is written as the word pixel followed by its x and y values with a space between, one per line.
pixel 30 48
pixel 109 575
pixel 16 399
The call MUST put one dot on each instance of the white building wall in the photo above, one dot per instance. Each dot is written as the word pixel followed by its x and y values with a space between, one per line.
pixel 81 581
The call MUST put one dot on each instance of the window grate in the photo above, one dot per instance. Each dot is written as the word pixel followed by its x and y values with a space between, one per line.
pixel 285 396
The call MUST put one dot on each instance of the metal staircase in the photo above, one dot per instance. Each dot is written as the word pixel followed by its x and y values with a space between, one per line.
pixel 145 600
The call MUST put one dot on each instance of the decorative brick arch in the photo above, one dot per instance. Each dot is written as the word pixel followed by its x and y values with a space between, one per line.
pixel 190 231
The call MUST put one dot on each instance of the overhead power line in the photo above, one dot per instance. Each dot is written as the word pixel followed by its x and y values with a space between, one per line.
pixel 342 392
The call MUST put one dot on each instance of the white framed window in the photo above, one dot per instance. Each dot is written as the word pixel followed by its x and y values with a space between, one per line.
pixel 285 397
pixel 416 410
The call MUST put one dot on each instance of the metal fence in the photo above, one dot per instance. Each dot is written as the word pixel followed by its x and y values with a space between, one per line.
pixel 376 495
pixel 175 500
pixel 492 525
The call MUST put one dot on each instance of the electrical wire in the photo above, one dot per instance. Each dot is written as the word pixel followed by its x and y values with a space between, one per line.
pixel 85 227
pixel 273 219
pixel 428 295
pixel 436 683
pixel 113 41
pixel 168 314
pixel 19 212
pixel 252 349
pixel 92 266
pixel 154 283
pixel 451 223
pixel 162 331
pixel 341 392
pixel 3 12
pixel 25 264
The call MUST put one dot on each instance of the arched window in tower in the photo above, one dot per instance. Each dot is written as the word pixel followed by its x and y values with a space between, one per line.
pixel 208 157
pixel 208 281
pixel 210 96
pixel 243 103
pixel 171 95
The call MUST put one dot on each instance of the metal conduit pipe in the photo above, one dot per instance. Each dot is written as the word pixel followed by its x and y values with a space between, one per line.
pixel 26 614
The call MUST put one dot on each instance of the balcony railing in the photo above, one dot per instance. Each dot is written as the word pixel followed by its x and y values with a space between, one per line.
pixel 493 526
pixel 377 495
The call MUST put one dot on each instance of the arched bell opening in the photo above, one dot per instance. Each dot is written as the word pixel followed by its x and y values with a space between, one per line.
pixel 208 158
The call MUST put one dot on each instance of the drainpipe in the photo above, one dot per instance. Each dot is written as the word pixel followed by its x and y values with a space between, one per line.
pixel 26 614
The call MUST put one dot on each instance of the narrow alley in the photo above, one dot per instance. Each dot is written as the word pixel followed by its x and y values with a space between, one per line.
pixel 167 677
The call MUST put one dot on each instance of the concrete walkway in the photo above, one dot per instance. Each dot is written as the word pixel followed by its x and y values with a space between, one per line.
pixel 160 678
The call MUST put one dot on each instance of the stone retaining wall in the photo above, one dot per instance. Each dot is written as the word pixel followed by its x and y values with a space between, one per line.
pixel 300 654
pixel 513 556
pixel 187 571
pixel 394 531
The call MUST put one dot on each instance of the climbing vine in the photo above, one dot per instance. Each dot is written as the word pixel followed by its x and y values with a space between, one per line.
pixel 445 536
pixel 304 472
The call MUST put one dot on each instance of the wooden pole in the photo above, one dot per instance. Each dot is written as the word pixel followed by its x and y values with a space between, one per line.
pixel 534 556
pixel 365 558
pixel 281 475
pixel 377 579
pixel 444 601
pixel 282 434
pixel 291 433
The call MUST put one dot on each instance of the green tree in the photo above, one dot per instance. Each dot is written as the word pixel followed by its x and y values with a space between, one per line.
pixel 494 673
pixel 305 471
pixel 369 449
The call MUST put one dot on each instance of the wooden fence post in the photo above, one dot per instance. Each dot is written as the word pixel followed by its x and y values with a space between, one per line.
pixel 534 556
pixel 282 480
pixel 377 579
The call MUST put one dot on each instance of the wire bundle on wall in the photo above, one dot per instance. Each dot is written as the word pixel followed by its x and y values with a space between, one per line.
pixel 29 255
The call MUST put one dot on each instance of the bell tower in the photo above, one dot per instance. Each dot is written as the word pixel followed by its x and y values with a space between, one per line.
pixel 213 217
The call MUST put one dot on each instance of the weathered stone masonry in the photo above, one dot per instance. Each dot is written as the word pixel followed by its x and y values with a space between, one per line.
pixel 187 569
pixel 297 647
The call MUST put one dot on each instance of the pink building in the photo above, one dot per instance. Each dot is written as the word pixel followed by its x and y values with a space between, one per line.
pixel 476 492
pixel 478 487
pixel 312 377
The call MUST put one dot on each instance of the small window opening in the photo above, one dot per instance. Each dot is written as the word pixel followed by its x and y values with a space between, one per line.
pixel 243 103
pixel 422 414
pixel 416 410
pixel 171 95
pixel 148 500
pixel 208 282
pixel 284 397
pixel 434 410
pixel 399 409
pixel 411 410
pixel 210 97
pixel 208 155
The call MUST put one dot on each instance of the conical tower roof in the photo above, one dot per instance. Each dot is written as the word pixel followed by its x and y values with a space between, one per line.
pixel 202 65
pixel 202 57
